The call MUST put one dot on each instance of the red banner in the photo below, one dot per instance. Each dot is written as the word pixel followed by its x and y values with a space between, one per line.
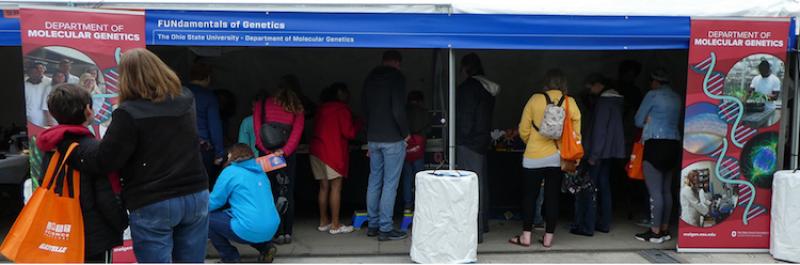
pixel 733 115
pixel 80 47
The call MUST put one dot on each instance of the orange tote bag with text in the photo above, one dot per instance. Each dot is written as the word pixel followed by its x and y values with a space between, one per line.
pixel 50 227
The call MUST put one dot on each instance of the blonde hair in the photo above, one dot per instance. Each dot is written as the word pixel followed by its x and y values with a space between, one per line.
pixel 144 76
pixel 87 76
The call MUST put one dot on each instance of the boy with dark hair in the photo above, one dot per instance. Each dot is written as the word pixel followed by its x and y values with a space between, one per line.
pixel 104 219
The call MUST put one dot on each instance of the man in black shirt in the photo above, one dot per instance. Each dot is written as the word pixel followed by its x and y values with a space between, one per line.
pixel 384 103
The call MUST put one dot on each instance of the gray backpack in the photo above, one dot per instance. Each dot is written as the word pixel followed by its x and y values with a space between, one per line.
pixel 553 120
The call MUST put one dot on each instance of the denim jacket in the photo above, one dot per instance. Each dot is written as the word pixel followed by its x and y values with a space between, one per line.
pixel 663 108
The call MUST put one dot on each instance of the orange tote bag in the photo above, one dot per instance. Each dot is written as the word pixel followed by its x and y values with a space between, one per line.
pixel 635 170
pixel 571 148
pixel 50 227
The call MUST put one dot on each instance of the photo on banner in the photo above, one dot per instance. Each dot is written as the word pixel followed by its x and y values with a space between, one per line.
pixel 81 47
pixel 731 127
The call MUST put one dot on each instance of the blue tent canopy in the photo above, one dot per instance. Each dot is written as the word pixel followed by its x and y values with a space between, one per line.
pixel 214 28
pixel 9 31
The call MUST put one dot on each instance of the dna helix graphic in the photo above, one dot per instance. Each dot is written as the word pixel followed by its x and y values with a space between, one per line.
pixel 731 110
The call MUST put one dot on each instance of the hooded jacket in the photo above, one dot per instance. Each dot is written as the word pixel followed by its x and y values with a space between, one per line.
pixel 245 187
pixel 333 130
pixel 155 147
pixel 104 218
pixel 384 103
pixel 606 137
pixel 475 99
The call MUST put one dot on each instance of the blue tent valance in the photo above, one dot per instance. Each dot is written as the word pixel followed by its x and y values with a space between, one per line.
pixel 9 31
pixel 405 30
pixel 217 28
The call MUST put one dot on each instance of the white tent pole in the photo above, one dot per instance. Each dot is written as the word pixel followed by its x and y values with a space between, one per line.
pixel 795 160
pixel 451 115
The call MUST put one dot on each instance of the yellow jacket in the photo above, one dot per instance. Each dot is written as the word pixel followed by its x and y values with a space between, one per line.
pixel 537 146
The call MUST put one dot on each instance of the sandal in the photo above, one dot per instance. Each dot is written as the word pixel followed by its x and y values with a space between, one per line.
pixel 545 246
pixel 343 229
pixel 324 228
pixel 517 240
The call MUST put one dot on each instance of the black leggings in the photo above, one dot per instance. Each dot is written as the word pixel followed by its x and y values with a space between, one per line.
pixel 533 178
pixel 287 219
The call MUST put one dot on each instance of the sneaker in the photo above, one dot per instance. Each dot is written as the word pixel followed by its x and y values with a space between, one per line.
pixel 372 232
pixel 651 237
pixel 343 229
pixel 392 235
pixel 268 256
pixel 279 240
pixel 666 236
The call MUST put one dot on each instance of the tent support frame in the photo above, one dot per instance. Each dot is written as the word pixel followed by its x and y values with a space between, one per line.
pixel 794 160
pixel 451 115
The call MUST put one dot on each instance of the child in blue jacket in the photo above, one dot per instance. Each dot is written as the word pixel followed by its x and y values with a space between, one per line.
pixel 252 218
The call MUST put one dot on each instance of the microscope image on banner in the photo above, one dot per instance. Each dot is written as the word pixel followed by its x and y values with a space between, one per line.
pixel 759 159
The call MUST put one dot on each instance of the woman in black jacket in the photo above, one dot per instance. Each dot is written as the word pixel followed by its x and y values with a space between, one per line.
pixel 476 99
pixel 153 142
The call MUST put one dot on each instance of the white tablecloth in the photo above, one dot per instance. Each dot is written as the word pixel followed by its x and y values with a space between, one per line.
pixel 445 228
pixel 785 226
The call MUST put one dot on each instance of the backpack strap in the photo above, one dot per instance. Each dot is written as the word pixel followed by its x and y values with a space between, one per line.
pixel 546 97
pixel 561 102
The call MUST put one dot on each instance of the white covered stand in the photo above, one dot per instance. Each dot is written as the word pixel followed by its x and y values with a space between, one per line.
pixel 785 226
pixel 445 228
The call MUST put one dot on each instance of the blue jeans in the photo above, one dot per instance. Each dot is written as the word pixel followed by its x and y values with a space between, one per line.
pixel 221 235
pixel 385 164
pixel 172 230
pixel 410 170
pixel 593 208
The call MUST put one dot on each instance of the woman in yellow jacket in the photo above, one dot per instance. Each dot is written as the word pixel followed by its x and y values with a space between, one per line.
pixel 542 160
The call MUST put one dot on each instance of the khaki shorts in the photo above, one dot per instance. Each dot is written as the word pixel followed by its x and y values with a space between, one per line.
pixel 322 171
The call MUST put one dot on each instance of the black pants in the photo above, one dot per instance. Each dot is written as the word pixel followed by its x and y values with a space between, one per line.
pixel 476 162
pixel 532 182
pixel 285 187
pixel 211 169
pixel 104 257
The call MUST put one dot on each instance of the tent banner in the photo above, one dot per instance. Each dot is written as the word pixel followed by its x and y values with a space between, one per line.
pixel 734 109
pixel 219 28
pixel 80 47
pixel 407 30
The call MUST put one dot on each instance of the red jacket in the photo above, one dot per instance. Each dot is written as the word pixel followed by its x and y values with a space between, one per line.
pixel 333 129
pixel 276 113
pixel 416 148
